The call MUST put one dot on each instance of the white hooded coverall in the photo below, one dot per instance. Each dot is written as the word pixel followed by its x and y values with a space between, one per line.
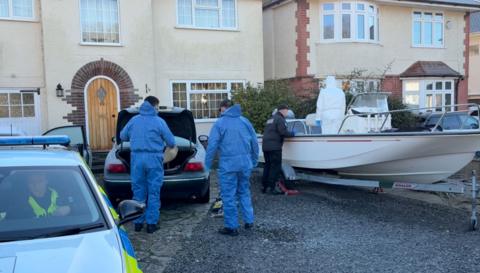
pixel 331 107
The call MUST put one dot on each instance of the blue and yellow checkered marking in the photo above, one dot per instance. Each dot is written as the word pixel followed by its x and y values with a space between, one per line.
pixel 131 263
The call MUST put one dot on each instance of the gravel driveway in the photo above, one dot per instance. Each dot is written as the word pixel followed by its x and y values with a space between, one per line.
pixel 335 229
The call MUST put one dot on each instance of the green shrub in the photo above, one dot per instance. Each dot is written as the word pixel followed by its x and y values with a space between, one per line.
pixel 401 120
pixel 259 103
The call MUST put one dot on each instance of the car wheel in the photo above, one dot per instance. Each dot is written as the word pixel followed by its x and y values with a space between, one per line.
pixel 206 197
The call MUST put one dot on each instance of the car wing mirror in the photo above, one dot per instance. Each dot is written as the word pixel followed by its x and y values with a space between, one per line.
pixel 130 210
pixel 203 140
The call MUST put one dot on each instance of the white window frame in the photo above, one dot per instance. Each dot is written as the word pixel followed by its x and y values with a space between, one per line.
pixel 338 13
pixel 33 123
pixel 97 43
pixel 423 92
pixel 220 17
pixel 433 21
pixel 190 91
pixel 11 17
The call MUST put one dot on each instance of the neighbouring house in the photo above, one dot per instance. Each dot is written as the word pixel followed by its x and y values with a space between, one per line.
pixel 417 50
pixel 474 79
pixel 78 62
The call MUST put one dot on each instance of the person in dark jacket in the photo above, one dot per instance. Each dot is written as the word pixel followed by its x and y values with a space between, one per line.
pixel 148 134
pixel 235 140
pixel 273 136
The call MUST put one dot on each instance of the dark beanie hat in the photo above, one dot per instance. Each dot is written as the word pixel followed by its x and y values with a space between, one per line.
pixel 226 103
pixel 282 107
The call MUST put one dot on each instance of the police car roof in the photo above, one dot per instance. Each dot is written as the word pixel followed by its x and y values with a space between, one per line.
pixel 11 156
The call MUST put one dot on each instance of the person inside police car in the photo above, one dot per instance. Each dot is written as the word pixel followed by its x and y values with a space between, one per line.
pixel 43 199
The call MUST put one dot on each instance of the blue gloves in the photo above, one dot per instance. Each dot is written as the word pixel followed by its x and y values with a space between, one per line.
pixel 318 123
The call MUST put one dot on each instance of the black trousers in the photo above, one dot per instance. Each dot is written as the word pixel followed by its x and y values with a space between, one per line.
pixel 272 169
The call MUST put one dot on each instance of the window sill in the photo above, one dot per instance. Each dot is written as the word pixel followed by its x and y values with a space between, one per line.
pixel 206 28
pixel 428 47
pixel 13 19
pixel 349 42
pixel 206 120
pixel 101 44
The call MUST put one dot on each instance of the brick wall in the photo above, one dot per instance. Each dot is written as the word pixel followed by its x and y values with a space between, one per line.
pixel 462 95
pixel 304 87
pixel 75 97
pixel 302 38
pixel 393 84
pixel 303 84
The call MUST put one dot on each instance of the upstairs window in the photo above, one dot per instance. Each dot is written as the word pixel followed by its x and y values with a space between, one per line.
pixel 427 29
pixel 210 14
pixel 99 20
pixel 349 21
pixel 16 9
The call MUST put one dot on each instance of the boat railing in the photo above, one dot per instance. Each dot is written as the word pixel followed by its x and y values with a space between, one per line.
pixel 388 114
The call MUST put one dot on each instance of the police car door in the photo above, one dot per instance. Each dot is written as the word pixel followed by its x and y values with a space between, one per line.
pixel 77 137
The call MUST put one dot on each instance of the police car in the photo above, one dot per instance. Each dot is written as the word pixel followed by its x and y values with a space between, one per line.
pixel 53 216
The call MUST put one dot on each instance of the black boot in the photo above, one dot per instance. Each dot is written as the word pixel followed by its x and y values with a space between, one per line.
pixel 228 231
pixel 151 228
pixel 138 227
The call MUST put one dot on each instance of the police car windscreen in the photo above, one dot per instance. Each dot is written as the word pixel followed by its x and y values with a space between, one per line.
pixel 36 201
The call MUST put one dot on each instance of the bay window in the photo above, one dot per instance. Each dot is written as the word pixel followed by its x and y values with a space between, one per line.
pixel 203 98
pixel 349 21
pixel 428 29
pixel 437 95
pixel 99 21
pixel 16 9
pixel 210 14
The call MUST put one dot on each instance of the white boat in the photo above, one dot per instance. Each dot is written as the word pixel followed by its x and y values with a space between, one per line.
pixel 366 146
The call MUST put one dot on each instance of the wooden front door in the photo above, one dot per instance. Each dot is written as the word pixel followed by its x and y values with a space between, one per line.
pixel 102 110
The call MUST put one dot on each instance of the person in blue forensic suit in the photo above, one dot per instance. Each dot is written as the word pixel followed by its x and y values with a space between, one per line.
pixel 234 138
pixel 148 134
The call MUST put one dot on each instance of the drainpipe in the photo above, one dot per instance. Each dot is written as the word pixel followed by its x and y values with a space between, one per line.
pixel 44 74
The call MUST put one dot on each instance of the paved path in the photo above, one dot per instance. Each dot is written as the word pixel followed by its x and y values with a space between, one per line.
pixel 178 220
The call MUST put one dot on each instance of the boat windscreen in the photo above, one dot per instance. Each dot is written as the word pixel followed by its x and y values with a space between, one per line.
pixel 370 102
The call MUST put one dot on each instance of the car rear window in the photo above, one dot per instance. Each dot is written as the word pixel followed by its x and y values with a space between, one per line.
pixel 39 200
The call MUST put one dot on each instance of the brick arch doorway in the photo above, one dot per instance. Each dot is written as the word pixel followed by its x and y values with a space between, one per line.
pixel 102 103
pixel 77 96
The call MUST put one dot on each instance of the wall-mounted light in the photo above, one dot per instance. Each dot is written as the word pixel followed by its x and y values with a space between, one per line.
pixel 59 90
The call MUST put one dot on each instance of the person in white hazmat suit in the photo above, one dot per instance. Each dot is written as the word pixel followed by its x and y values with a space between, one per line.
pixel 330 107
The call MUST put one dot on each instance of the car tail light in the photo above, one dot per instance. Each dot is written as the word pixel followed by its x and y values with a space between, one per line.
pixel 194 167
pixel 116 168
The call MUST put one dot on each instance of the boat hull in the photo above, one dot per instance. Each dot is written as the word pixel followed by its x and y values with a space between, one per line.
pixel 417 158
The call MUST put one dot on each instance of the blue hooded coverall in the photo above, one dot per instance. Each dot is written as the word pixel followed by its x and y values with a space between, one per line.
pixel 147 134
pixel 235 139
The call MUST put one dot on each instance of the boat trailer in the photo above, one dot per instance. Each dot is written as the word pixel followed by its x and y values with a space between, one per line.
pixel 293 174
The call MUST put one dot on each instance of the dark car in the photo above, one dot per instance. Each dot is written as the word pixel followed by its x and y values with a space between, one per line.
pixel 185 176
pixel 450 121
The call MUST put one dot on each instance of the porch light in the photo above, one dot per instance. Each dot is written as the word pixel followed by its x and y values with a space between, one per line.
pixel 59 90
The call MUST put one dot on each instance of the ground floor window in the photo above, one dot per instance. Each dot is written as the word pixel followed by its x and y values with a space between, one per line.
pixel 435 94
pixel 203 98
pixel 17 105
pixel 19 112
pixel 356 86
